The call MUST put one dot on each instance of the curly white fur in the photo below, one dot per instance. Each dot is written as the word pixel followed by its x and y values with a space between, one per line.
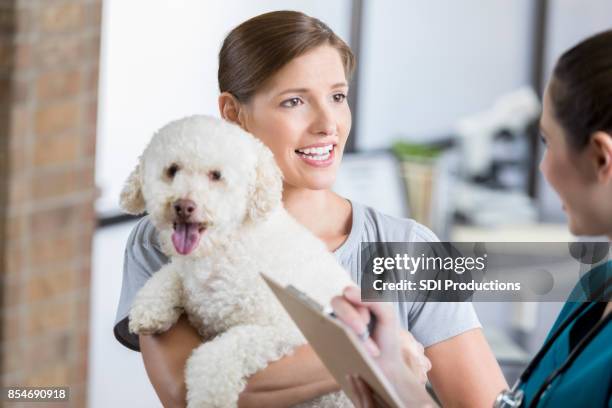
pixel 218 283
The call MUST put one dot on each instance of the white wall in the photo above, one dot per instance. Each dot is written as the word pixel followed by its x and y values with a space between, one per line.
pixel 570 21
pixel 424 64
pixel 117 376
pixel 159 62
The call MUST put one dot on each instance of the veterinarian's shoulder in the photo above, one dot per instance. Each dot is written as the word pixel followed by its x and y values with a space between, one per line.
pixel 381 227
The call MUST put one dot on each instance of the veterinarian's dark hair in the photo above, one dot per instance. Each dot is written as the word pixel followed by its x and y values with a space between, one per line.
pixel 258 48
pixel 581 89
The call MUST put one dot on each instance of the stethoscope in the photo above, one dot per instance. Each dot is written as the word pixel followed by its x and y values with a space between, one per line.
pixel 513 398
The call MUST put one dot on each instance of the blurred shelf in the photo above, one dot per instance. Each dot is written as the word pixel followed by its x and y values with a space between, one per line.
pixel 512 233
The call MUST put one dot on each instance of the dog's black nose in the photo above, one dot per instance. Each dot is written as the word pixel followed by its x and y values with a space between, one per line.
pixel 184 208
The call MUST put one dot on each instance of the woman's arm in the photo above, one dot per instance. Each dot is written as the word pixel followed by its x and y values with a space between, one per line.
pixel 465 372
pixel 293 379
pixel 165 355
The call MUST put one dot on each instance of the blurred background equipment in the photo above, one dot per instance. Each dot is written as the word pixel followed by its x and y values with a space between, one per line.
pixel 480 174
pixel 492 187
pixel 495 138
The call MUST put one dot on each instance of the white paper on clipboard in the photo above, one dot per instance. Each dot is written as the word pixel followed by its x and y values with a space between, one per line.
pixel 338 348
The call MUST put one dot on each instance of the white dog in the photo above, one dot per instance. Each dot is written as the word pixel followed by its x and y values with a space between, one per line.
pixel 213 192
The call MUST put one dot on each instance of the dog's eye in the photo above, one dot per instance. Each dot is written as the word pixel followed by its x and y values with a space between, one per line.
pixel 172 170
pixel 214 175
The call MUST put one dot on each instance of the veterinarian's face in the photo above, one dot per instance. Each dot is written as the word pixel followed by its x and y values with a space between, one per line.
pixel 570 173
pixel 302 115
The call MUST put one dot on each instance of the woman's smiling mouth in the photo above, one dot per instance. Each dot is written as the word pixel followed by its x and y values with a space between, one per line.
pixel 318 155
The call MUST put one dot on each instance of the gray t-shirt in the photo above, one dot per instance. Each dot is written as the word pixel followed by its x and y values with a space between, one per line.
pixel 429 322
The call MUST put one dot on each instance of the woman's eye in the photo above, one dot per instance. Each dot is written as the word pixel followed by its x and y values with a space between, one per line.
pixel 172 170
pixel 290 103
pixel 340 97
pixel 214 175
pixel 543 139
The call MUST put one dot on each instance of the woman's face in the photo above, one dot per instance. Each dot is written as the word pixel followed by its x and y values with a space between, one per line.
pixel 570 173
pixel 303 116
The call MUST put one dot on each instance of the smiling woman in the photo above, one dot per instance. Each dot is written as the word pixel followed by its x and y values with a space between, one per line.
pixel 283 76
pixel 307 126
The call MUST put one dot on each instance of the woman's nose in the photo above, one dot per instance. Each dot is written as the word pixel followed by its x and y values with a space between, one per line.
pixel 324 121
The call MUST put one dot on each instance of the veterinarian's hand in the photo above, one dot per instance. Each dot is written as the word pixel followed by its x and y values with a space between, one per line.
pixel 388 344
pixel 396 351
pixel 414 356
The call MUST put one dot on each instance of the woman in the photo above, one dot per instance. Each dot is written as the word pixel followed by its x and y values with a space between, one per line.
pixel 574 367
pixel 283 76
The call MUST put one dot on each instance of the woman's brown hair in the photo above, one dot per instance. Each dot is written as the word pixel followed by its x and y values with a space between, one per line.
pixel 258 48
pixel 581 89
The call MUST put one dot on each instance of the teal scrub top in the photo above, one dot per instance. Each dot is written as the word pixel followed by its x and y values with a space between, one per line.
pixel 588 380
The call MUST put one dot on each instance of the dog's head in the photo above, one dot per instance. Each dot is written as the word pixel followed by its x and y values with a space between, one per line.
pixel 200 179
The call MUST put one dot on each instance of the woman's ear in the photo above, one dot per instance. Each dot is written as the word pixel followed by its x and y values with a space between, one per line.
pixel 602 143
pixel 131 199
pixel 266 193
pixel 230 109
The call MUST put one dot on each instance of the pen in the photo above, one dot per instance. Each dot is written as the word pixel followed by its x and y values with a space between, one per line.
pixel 369 328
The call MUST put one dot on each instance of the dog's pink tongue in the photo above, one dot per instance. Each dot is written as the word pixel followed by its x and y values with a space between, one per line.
pixel 185 237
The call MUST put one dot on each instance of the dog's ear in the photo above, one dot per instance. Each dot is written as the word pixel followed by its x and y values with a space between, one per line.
pixel 131 199
pixel 266 193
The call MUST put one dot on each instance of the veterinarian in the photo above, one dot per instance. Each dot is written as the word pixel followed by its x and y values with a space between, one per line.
pixel 283 76
pixel 574 366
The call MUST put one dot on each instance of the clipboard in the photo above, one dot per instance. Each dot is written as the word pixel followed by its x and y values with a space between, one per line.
pixel 337 346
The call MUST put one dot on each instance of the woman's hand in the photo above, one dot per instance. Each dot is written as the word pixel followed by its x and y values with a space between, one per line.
pixel 398 354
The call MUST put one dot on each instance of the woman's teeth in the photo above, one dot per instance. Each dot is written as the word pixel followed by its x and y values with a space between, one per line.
pixel 319 158
pixel 316 153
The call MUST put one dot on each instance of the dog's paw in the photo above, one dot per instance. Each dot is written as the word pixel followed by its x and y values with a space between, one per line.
pixel 145 320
